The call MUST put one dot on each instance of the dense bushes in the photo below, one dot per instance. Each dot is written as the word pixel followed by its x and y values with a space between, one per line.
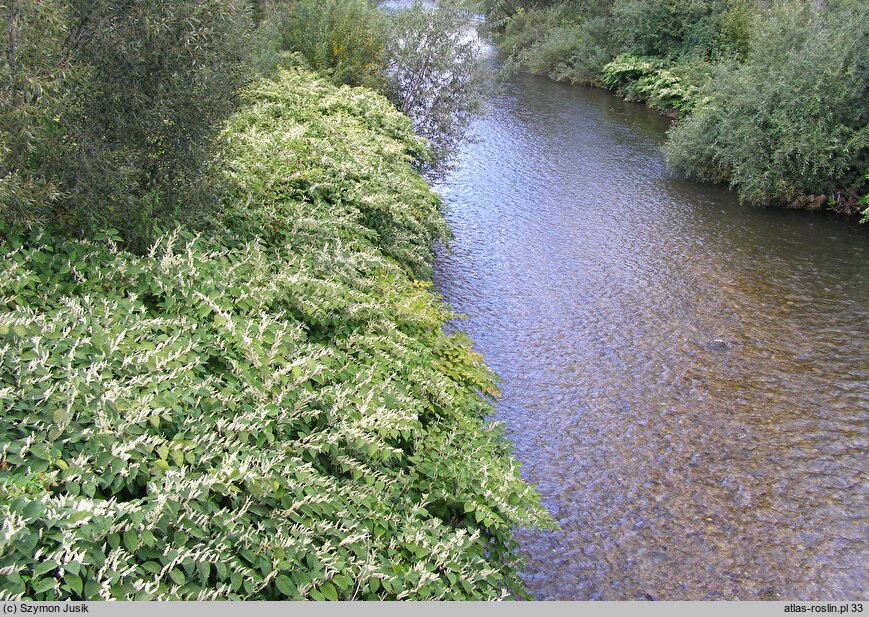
pixel 648 80
pixel 343 39
pixel 273 411
pixel 793 118
pixel 108 109
pixel 780 92
pixel 666 28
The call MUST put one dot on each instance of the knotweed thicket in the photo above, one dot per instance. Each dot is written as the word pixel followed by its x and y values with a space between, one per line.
pixel 269 411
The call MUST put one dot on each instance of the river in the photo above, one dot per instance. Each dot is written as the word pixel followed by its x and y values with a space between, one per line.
pixel 684 378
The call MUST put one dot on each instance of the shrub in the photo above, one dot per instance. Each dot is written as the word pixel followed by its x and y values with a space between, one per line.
pixel 526 28
pixel 344 39
pixel 649 80
pixel 625 73
pixel 735 27
pixel 551 54
pixel 592 51
pixel 123 104
pixel 666 28
pixel 792 119
pixel 31 37
pixel 436 74
pixel 269 412
pixel 864 203
pixel 666 91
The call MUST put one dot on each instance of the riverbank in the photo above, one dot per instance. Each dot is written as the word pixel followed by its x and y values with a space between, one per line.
pixel 269 410
pixel 771 102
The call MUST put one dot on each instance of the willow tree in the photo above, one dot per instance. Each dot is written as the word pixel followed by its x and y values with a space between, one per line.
pixel 436 73
pixel 109 107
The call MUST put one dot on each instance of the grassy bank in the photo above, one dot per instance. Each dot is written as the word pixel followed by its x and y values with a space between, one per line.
pixel 770 96
pixel 271 410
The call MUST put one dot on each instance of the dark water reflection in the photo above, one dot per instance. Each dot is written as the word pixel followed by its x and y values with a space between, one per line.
pixel 684 378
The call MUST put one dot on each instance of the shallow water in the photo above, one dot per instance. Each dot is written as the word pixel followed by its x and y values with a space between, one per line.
pixel 685 379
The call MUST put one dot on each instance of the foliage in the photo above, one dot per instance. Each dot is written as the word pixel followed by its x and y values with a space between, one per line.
pixel 272 411
pixel 31 35
pixel 436 73
pixel 425 59
pixel 626 71
pixel 864 203
pixel 564 42
pixel 592 51
pixel 551 54
pixel 527 28
pixel 792 119
pixel 344 39
pixel 735 26
pixel 647 80
pixel 113 108
pixel 666 28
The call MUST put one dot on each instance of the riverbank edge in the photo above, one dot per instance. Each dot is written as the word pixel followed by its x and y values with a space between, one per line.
pixel 849 207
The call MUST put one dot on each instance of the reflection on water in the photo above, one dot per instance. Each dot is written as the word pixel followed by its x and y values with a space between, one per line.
pixel 685 379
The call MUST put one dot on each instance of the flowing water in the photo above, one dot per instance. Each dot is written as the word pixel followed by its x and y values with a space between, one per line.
pixel 685 378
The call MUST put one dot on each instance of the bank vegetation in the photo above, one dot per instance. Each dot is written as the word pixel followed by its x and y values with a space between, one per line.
pixel 224 373
pixel 771 97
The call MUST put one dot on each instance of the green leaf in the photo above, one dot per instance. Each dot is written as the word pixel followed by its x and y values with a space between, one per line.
pixel 329 591
pixel 74 583
pixel 342 582
pixel 152 566
pixel 203 568
pixel 148 538
pixel 43 586
pixel 285 586
pixel 91 590
pixel 131 540
pixel 43 567
pixel 178 576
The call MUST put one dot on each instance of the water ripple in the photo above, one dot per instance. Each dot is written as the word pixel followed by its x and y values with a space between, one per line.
pixel 685 378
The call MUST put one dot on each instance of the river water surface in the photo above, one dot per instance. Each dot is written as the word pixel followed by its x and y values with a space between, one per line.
pixel 685 378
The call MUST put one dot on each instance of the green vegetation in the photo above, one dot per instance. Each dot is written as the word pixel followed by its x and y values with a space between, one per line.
pixel 648 80
pixel 343 39
pixel 108 110
pixel 771 96
pixel 268 410
pixel 420 58
pixel 223 371
pixel 793 119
